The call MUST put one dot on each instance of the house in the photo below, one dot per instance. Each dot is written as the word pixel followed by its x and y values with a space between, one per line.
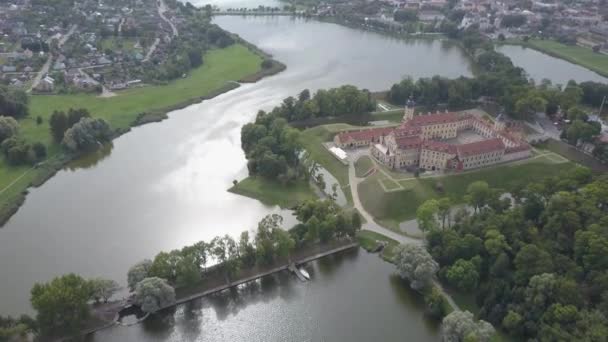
pixel 46 85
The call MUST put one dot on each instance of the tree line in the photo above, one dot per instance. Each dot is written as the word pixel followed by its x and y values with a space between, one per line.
pixel 320 222
pixel 536 261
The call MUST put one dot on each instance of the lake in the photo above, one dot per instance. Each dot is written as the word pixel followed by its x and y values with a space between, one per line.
pixel 540 66
pixel 354 296
pixel 163 185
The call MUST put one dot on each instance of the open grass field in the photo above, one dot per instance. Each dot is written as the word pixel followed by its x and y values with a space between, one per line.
pixel 573 53
pixel 221 66
pixel 117 43
pixel 273 193
pixel 391 208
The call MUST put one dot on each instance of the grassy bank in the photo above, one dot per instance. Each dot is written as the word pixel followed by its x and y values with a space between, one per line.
pixel 273 193
pixel 368 240
pixel 594 61
pixel 393 207
pixel 130 107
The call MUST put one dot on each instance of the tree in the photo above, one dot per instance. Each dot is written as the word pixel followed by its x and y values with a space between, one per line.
pixel 138 272
pixel 405 16
pixel 58 124
pixel 435 303
pixel 74 115
pixel 463 275
pixel 460 326
pixel 426 215
pixel 39 150
pixel 415 264
pixel 478 194
pixel 87 134
pixel 103 289
pixel 61 304
pixel 8 127
pixel 531 260
pixel 152 294
pixel 444 212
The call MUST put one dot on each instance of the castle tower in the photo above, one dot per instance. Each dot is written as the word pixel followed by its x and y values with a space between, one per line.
pixel 408 113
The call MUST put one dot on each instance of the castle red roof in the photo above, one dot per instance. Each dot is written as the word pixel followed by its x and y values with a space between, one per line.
pixel 366 134
pixel 409 142
pixel 480 147
pixel 439 146
pixel 433 119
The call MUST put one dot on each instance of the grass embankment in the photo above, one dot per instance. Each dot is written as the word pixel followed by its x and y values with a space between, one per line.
pixel 585 57
pixel 368 240
pixel 363 165
pixel 128 108
pixel 312 139
pixel 393 207
pixel 273 193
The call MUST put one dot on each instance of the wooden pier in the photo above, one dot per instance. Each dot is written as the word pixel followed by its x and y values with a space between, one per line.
pixel 292 267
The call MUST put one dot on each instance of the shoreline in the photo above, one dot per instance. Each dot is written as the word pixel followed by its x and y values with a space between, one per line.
pixel 48 168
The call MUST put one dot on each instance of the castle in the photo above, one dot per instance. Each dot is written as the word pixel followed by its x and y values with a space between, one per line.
pixel 440 141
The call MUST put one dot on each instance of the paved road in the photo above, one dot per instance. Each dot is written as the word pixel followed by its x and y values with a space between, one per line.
pixel 162 8
pixel 49 61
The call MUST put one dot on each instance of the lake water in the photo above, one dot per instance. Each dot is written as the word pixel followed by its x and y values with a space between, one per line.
pixel 163 185
pixel 353 296
pixel 540 66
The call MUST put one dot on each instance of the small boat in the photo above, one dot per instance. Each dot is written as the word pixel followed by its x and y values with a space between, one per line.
pixel 304 273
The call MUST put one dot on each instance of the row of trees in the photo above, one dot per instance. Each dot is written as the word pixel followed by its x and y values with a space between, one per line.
pixel 537 265
pixel 345 100
pixel 77 131
pixel 320 222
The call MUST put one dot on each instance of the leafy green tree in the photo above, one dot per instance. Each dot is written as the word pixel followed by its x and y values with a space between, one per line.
pixel 8 127
pixel 463 275
pixel 435 304
pixel 426 215
pixel 61 304
pixel 461 326
pixel 152 294
pixel 87 134
pixel 530 261
pixel 478 194
pixel 103 289
pixel 58 124
pixel 415 264
pixel 138 272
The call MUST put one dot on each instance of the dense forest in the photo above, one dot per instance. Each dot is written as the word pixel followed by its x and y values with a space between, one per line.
pixel 538 268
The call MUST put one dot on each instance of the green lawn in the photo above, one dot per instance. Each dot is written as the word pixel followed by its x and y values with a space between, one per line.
pixel 221 66
pixel 312 139
pixel 391 208
pixel 363 165
pixel 273 193
pixel 573 53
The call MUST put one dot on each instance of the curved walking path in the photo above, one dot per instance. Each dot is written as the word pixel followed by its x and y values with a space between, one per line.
pixel 370 224
pixel 162 8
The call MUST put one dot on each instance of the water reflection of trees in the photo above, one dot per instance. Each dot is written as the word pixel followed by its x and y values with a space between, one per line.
pixel 91 159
